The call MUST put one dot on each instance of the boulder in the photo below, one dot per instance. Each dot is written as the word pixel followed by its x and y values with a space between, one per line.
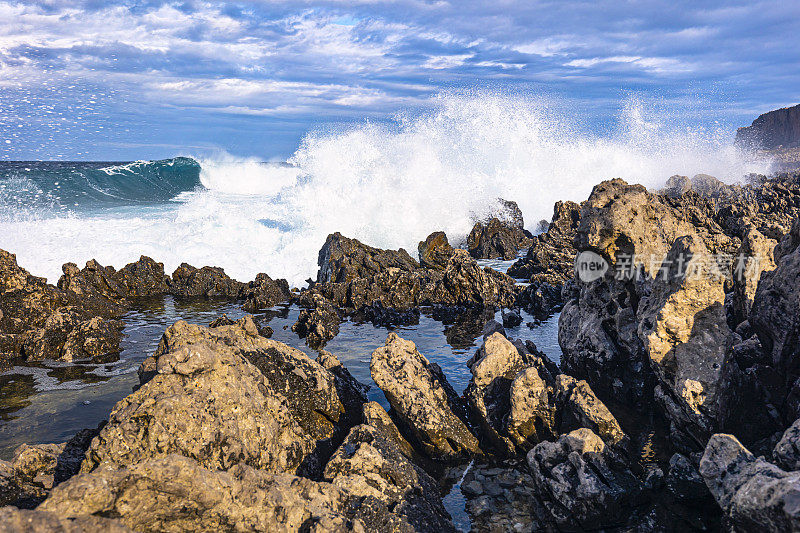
pixel 776 307
pixel 494 239
pixel 466 283
pixel 422 400
pixel 369 464
pixel 176 493
pixel 579 407
pixel 494 367
pixel 264 292
pixel 754 495
pixel 318 322
pixel 207 401
pixel 435 251
pixel 585 483
pixel 532 414
pixel 143 279
pixel 787 452
pixel 342 260
pixel 188 281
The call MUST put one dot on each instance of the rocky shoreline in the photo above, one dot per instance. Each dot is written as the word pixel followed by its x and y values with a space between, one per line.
pixel 231 430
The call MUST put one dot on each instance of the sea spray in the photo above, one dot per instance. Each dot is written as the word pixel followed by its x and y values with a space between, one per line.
pixel 387 184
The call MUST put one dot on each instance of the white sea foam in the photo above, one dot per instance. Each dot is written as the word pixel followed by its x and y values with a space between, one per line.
pixel 388 185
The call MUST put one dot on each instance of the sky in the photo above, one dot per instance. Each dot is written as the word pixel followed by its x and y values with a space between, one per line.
pixel 93 80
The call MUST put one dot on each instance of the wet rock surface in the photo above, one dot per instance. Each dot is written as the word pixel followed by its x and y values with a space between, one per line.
pixel 435 251
pixel 496 239
pixel 39 321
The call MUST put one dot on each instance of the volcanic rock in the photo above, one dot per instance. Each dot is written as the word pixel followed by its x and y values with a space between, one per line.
pixel 754 495
pixel 435 251
pixel 495 239
pixel 188 281
pixel 423 400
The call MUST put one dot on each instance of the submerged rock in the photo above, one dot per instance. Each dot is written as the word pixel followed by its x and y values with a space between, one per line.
pixel 423 400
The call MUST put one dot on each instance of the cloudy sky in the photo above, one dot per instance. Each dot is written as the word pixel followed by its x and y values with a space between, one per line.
pixel 145 79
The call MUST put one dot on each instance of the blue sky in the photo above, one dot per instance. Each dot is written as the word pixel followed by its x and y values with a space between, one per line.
pixel 149 79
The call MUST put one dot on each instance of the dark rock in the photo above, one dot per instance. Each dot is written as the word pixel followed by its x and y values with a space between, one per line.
pixel 381 316
pixel 188 281
pixel 343 260
pixel 685 483
pixel 142 279
pixel 787 451
pixel 511 318
pixel 495 239
pixel 423 400
pixel 551 257
pixel 754 495
pixel 264 293
pixel 779 128
pixel 39 321
pixel 435 251
pixel 319 322
pixel 587 483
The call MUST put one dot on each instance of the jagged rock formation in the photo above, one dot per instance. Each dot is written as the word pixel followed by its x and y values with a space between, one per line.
pixel 495 239
pixel 754 495
pixel 423 400
pixel 775 129
pixel 39 321
pixel 435 251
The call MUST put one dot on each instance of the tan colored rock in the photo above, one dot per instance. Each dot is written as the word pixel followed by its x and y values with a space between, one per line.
pixel 175 493
pixel 532 415
pixel 581 408
pixel 13 520
pixel 754 257
pixel 207 402
pixel 423 400
pixel 685 335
